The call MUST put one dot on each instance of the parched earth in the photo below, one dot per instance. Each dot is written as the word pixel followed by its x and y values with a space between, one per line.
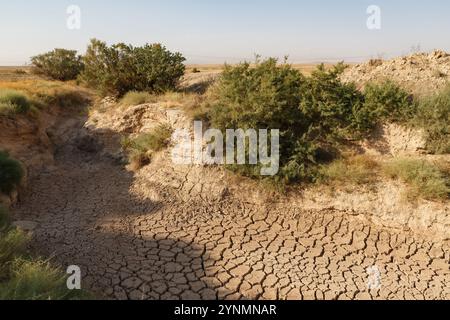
pixel 187 232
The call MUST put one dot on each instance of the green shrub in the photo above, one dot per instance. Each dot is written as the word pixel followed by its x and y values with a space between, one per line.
pixel 11 173
pixel 13 102
pixel 266 96
pixel 134 98
pixel 424 179
pixel 59 64
pixel 433 115
pixel 122 68
pixel 329 105
pixel 311 113
pixel 384 101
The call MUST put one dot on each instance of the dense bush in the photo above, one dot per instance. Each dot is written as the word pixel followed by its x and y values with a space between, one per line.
pixel 329 105
pixel 13 102
pixel 59 64
pixel 121 68
pixel 384 101
pixel 11 173
pixel 312 114
pixel 433 115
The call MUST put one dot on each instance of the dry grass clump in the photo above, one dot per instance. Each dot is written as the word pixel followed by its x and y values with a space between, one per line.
pixel 189 102
pixel 142 147
pixel 356 170
pixel 135 98
pixel 424 179
pixel 13 102
pixel 44 94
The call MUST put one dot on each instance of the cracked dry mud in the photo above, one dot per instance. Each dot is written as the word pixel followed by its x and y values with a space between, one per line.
pixel 177 232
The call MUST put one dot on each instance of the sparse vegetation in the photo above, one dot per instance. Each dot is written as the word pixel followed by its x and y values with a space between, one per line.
pixel 13 102
pixel 134 98
pixel 142 147
pixel 356 170
pixel 424 179
pixel 121 68
pixel 433 115
pixel 11 173
pixel 59 64
pixel 43 94
pixel 25 278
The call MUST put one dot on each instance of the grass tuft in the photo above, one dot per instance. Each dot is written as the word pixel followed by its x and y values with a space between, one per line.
pixel 424 179
pixel 24 278
pixel 13 102
pixel 134 98
pixel 357 170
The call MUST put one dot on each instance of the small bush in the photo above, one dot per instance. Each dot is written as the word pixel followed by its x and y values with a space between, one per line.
pixel 143 146
pixel 424 179
pixel 356 170
pixel 122 68
pixel 196 70
pixel 385 101
pixel 134 98
pixel 433 115
pixel 59 64
pixel 13 102
pixel 11 173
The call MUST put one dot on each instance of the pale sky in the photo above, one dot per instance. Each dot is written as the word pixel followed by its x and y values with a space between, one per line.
pixel 213 31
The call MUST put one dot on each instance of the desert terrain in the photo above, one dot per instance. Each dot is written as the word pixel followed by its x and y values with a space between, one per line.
pixel 169 231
